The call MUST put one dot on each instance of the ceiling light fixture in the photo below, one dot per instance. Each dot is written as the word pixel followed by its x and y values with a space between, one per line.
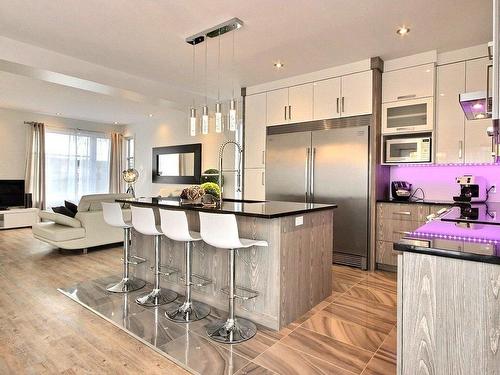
pixel 278 65
pixel 218 111
pixel 403 30
pixel 204 115
pixel 192 110
pixel 150 115
pixel 116 122
pixel 58 113
pixel 233 103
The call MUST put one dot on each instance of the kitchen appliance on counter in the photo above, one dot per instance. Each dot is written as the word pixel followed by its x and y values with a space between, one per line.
pixel 400 190
pixel 472 189
pixel 325 162
pixel 408 150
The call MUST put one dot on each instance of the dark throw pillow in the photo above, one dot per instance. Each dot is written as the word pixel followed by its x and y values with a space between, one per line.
pixel 71 206
pixel 63 211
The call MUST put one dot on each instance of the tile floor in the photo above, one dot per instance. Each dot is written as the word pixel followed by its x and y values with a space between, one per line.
pixel 352 332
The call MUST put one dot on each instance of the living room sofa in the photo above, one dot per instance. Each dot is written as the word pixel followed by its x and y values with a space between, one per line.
pixel 86 229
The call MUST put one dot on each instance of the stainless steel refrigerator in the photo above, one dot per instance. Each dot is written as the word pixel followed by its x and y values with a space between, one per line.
pixel 325 166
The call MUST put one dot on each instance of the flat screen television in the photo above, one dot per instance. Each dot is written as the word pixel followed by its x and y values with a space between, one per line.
pixel 11 193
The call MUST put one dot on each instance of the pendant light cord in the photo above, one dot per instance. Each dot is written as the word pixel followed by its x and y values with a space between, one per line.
pixel 194 73
pixel 206 75
pixel 218 72
pixel 232 63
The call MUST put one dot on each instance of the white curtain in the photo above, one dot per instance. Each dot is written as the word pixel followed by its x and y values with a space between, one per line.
pixel 116 183
pixel 35 164
pixel 77 163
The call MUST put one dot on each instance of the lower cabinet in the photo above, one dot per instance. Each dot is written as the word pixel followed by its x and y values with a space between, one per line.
pixel 255 187
pixel 448 316
pixel 394 221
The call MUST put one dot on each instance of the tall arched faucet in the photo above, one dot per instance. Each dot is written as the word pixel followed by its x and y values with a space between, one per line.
pixel 238 170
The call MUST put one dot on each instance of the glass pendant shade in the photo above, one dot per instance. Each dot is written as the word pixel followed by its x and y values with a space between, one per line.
pixel 192 122
pixel 218 118
pixel 232 115
pixel 204 120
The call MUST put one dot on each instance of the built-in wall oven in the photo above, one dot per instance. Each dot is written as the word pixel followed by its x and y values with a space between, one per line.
pixel 412 149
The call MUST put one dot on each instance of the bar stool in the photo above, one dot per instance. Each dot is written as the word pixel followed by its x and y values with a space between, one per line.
pixel 143 220
pixel 113 216
pixel 221 231
pixel 174 225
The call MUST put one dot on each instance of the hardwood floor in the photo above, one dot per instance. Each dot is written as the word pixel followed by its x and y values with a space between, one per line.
pixel 44 332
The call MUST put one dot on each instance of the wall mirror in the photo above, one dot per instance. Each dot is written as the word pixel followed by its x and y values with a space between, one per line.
pixel 177 164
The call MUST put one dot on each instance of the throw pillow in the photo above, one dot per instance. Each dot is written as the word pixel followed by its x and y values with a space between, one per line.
pixel 71 206
pixel 63 211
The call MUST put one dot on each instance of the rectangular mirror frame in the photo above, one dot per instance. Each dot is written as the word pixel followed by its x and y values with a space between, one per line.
pixel 180 149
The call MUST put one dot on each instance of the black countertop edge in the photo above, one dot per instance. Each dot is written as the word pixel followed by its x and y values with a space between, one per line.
pixel 446 253
pixel 430 201
pixel 249 213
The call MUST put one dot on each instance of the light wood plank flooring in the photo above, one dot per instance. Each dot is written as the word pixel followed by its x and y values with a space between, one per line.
pixel 43 332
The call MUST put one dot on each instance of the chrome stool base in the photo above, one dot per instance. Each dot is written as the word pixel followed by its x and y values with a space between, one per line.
pixel 231 331
pixel 126 285
pixel 188 312
pixel 157 297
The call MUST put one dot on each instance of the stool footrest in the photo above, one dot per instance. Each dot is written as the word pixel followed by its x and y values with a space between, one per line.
pixel 242 293
pixel 167 270
pixel 198 280
pixel 136 260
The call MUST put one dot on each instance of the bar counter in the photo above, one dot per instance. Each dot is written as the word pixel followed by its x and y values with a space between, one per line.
pixel 292 275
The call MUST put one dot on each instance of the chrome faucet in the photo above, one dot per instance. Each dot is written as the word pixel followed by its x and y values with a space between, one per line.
pixel 238 170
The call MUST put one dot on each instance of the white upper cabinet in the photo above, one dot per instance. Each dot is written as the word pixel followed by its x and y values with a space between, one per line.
pixel 477 141
pixel 449 115
pixel 408 83
pixel 327 98
pixel 408 116
pixel 277 106
pixel 300 103
pixel 255 130
pixel 356 94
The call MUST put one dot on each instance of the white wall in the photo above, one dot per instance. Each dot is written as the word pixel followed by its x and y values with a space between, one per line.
pixel 13 135
pixel 170 131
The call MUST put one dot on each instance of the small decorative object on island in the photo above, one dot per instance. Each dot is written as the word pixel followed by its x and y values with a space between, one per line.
pixel 211 188
pixel 192 194
pixel 130 176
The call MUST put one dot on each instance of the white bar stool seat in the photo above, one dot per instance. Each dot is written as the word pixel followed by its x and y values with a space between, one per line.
pixel 221 231
pixel 175 226
pixel 143 220
pixel 113 216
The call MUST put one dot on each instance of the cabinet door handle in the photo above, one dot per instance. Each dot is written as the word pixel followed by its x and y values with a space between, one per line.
pixel 460 149
pixel 289 112
pixel 285 112
pixel 263 157
pixel 343 109
pixel 405 213
pixel 338 105
pixel 401 232
pixel 263 179
pixel 406 128
pixel 406 96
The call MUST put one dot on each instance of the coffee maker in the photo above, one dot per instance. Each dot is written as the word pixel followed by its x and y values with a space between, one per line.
pixel 472 189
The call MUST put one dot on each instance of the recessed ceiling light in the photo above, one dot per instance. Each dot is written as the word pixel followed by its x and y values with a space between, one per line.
pixel 150 115
pixel 403 30
pixel 480 116
pixel 116 122
pixel 278 65
pixel 58 113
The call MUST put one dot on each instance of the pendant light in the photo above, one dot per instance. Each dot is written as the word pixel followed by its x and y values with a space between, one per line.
pixel 218 107
pixel 192 110
pixel 233 103
pixel 204 116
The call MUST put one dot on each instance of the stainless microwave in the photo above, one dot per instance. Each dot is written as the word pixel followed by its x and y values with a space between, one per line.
pixel 408 150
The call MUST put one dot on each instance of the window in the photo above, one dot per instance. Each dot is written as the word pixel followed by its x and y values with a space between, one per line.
pixel 76 163
pixel 129 153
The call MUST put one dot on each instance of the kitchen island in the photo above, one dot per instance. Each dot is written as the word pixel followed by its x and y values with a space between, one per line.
pixel 291 275
pixel 449 295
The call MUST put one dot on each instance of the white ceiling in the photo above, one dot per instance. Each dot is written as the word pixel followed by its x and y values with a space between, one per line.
pixel 145 39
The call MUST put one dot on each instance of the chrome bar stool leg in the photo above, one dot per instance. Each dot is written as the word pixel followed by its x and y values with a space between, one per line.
pixel 232 330
pixel 189 310
pixel 127 283
pixel 157 296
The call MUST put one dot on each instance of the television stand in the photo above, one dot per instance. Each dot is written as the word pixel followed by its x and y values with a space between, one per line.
pixel 18 217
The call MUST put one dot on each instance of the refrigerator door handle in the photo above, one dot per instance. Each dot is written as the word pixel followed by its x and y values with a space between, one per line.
pixel 306 187
pixel 311 182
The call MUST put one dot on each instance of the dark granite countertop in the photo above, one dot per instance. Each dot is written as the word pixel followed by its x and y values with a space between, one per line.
pixel 469 241
pixel 262 209
pixel 425 201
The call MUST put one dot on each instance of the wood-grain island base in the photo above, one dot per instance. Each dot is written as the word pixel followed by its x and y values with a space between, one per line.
pixel 292 275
